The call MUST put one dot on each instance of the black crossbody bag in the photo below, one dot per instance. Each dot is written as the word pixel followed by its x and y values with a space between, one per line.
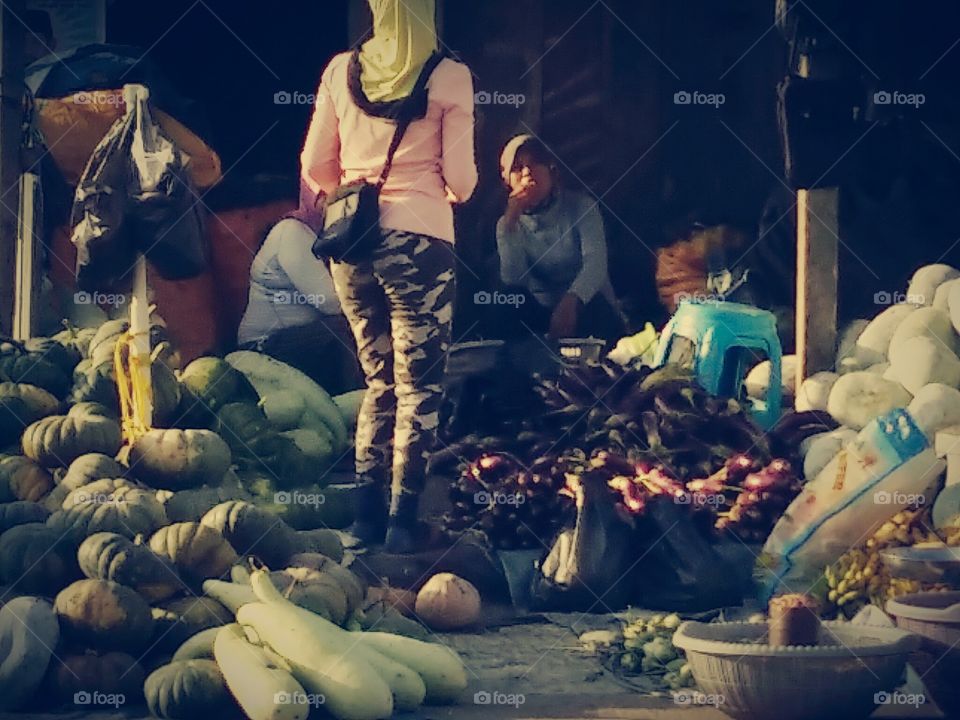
pixel 351 224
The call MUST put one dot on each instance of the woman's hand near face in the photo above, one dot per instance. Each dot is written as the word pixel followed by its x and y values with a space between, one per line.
pixel 519 201
pixel 566 315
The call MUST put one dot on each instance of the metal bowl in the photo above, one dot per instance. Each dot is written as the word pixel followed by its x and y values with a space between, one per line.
pixel 937 564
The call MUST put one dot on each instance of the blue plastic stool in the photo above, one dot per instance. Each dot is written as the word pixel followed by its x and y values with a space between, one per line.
pixel 720 342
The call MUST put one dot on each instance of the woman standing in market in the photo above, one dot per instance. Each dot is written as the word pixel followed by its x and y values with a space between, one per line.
pixel 399 299
pixel 553 248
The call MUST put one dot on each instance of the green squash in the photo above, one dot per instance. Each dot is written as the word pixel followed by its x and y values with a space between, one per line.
pixel 198 552
pixel 176 459
pixel 39 402
pixel 34 370
pixel 37 560
pixel 176 621
pixel 191 505
pixel 104 615
pixel 58 440
pixel 257 446
pixel 216 383
pixel 63 356
pixel 108 673
pixel 89 467
pixel 111 556
pixel 108 505
pixel 104 342
pixel 23 479
pixel 98 384
pixel 76 339
pixel 14 414
pixel 188 690
pixel 253 531
pixel 21 512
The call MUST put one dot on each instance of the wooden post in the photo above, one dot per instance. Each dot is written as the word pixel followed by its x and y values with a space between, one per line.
pixel 11 134
pixel 26 306
pixel 817 257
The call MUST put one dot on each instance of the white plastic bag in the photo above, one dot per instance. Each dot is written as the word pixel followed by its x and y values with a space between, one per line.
pixel 888 467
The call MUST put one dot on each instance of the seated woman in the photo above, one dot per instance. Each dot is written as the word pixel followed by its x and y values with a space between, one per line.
pixel 293 313
pixel 552 247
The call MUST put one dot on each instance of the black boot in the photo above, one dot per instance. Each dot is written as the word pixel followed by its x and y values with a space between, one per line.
pixel 369 513
pixel 402 524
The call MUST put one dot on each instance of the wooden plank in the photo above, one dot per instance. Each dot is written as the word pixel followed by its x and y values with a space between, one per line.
pixel 26 308
pixel 11 123
pixel 817 256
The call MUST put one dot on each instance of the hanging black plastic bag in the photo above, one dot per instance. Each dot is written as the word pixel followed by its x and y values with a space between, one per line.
pixel 682 569
pixel 105 248
pixel 588 568
pixel 165 211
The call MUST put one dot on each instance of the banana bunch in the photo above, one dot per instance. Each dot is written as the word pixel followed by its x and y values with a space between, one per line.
pixel 859 576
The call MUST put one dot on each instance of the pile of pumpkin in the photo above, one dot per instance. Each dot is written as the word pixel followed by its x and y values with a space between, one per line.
pixel 113 558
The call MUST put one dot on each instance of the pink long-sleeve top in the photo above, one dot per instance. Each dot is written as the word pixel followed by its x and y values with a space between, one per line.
pixel 437 153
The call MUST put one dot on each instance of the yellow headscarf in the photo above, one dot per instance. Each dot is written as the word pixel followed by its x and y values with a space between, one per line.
pixel 404 38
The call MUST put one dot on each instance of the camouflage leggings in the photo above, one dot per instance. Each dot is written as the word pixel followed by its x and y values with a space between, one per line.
pixel 400 306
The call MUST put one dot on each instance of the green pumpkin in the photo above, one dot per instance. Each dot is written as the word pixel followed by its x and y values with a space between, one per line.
pixel 77 339
pixel 34 370
pixel 23 479
pixel 58 440
pixel 14 413
pixel 63 356
pixel 257 446
pixel 253 531
pixel 216 383
pixel 108 673
pixel 104 615
pixel 191 505
pixel 111 556
pixel 188 690
pixel 89 467
pixel 37 560
pixel 176 621
pixel 40 403
pixel 246 428
pixel 104 342
pixel 176 459
pixel 98 384
pixel 21 512
pixel 108 505
pixel 197 551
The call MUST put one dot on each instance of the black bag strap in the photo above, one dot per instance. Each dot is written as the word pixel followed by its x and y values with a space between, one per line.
pixel 407 114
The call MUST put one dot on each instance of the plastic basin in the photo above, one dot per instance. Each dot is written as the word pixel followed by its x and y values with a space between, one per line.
pixel 926 564
pixel 935 617
pixel 836 679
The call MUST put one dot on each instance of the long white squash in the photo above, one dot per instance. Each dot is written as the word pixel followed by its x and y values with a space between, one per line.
pixel 351 688
pixel 442 670
pixel 231 595
pixel 264 690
